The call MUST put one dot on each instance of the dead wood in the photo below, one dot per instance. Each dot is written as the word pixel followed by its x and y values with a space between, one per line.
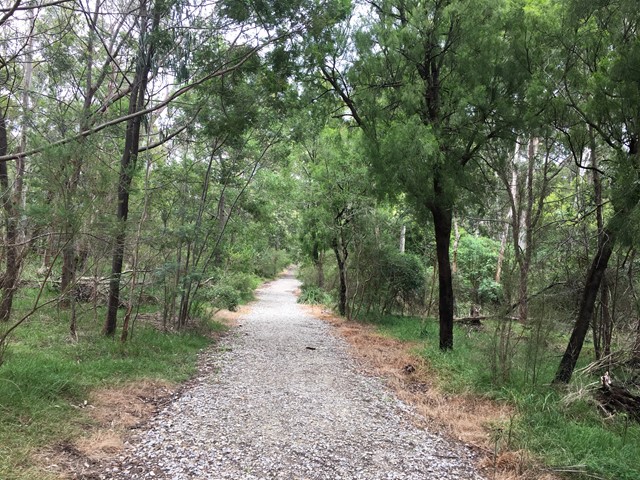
pixel 617 399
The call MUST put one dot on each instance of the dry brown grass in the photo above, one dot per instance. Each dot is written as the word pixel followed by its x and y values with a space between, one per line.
pixel 467 418
pixel 229 318
pixel 112 412
pixel 127 406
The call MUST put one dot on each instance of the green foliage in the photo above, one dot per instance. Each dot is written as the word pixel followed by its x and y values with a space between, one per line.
pixel 224 296
pixel 270 262
pixel 395 281
pixel 477 259
pixel 231 290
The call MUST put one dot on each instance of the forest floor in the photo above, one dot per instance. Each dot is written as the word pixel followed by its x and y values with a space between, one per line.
pixel 283 396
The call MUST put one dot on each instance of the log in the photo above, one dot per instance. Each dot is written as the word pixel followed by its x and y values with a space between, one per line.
pixel 474 321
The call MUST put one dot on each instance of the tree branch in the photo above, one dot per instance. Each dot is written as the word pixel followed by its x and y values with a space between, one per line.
pixel 178 93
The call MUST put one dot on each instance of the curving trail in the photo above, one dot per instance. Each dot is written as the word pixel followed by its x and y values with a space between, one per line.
pixel 285 401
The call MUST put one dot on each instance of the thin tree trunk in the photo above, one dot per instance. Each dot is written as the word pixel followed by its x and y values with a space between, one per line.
pixel 136 255
pixel 342 254
pixel 587 303
pixel 503 248
pixel 12 266
pixel 21 199
pixel 601 324
pixel 128 163
pixel 527 235
pixel 403 238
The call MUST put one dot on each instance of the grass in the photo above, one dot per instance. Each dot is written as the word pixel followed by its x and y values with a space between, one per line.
pixel 570 437
pixel 46 374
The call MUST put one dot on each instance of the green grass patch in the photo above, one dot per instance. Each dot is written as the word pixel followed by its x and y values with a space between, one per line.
pixel 562 434
pixel 45 373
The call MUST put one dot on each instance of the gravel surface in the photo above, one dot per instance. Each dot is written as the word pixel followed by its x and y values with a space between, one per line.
pixel 284 400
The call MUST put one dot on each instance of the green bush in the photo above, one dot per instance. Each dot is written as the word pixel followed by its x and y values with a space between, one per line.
pixel 312 295
pixel 490 291
pixel 225 296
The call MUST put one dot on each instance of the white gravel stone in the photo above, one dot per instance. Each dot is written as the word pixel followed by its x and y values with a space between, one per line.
pixel 271 408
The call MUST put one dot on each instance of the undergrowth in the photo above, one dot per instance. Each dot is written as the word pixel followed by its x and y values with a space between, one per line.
pixel 312 295
pixel 571 437
pixel 46 374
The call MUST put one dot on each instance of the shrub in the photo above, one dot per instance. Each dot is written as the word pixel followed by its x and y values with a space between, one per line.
pixel 313 295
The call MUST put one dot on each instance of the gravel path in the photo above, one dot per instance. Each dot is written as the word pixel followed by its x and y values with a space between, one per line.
pixel 285 401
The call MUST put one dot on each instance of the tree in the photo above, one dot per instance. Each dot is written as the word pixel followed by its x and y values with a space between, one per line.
pixel 601 88
pixel 338 187
pixel 149 21
pixel 433 84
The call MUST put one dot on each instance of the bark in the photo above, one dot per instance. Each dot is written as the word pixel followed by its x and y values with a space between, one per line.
pixel 136 255
pixel 9 278
pixel 636 347
pixel 127 166
pixel 527 235
pixel 342 253
pixel 68 271
pixel 403 238
pixel 442 221
pixel 20 193
pixel 503 248
pixel 587 304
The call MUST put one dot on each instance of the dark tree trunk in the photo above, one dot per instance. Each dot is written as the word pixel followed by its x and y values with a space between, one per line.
pixel 601 326
pixel 127 167
pixel 317 262
pixel 68 271
pixel 587 303
pixel 12 258
pixel 442 220
pixel 341 256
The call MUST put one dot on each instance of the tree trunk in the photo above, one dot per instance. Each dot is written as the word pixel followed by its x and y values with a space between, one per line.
pixel 12 263
pixel 128 163
pixel 602 325
pixel 606 320
pixel 341 257
pixel 503 248
pixel 585 312
pixel 527 234
pixel 318 263
pixel 403 238
pixel 635 355
pixel 442 221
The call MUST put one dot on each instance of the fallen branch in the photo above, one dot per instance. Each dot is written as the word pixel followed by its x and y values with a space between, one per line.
pixel 617 399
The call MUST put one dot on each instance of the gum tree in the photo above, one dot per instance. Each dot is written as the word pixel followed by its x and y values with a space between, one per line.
pixel 433 82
